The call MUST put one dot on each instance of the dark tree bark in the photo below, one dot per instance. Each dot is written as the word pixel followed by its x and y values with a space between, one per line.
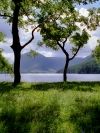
pixel 67 60
pixel 65 69
pixel 16 43
pixel 17 55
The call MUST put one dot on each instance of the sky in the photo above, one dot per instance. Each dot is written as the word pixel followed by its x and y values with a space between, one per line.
pixel 24 37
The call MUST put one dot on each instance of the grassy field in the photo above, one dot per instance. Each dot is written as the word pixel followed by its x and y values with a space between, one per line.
pixel 72 107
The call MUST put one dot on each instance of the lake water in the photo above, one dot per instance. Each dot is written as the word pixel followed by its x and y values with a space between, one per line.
pixel 51 77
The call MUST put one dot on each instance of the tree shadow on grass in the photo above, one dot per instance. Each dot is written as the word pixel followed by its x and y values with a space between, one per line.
pixel 5 87
pixel 86 116
pixel 58 85
pixel 8 86
pixel 62 86
pixel 78 86
pixel 31 119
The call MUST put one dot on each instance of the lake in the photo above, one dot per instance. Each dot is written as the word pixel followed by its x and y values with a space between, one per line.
pixel 51 77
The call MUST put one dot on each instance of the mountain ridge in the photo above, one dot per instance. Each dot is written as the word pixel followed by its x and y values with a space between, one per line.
pixel 42 64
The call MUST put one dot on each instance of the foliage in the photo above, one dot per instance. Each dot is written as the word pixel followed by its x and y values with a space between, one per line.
pixel 32 53
pixel 2 36
pixel 79 40
pixel 72 107
pixel 58 23
pixel 90 67
pixel 96 52
pixel 7 9
pixel 93 18
pixel 93 24
pixel 5 66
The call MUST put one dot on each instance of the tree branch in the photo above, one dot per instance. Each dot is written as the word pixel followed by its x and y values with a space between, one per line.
pixel 38 47
pixel 31 38
pixel 81 44
pixel 64 42
pixel 62 48
pixel 59 45
pixel 5 15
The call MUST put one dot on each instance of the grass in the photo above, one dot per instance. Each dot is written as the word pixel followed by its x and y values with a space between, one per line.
pixel 72 107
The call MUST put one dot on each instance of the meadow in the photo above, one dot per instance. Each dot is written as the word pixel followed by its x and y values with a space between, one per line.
pixel 72 107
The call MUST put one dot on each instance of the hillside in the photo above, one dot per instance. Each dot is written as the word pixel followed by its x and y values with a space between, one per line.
pixel 88 67
pixel 42 64
pixel 39 64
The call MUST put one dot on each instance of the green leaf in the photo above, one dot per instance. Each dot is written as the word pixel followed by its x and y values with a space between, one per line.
pixel 96 52
pixel 32 53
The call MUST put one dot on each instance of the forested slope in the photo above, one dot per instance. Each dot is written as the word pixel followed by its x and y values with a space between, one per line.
pixel 90 67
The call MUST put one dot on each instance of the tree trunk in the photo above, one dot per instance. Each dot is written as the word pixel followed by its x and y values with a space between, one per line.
pixel 17 76
pixel 65 69
pixel 17 54
pixel 16 43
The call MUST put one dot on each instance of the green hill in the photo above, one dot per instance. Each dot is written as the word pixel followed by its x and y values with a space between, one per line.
pixel 88 67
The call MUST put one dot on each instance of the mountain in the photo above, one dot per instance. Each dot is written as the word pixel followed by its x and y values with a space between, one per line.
pixel 42 64
pixel 38 64
pixel 86 62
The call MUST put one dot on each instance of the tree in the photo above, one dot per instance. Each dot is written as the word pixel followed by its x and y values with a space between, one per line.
pixel 58 23
pixel 14 11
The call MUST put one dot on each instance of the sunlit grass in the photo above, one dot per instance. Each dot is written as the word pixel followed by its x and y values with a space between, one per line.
pixel 72 107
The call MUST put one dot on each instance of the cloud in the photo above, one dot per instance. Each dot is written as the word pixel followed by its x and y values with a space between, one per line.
pixel 83 12
pixel 9 56
pixel 47 54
